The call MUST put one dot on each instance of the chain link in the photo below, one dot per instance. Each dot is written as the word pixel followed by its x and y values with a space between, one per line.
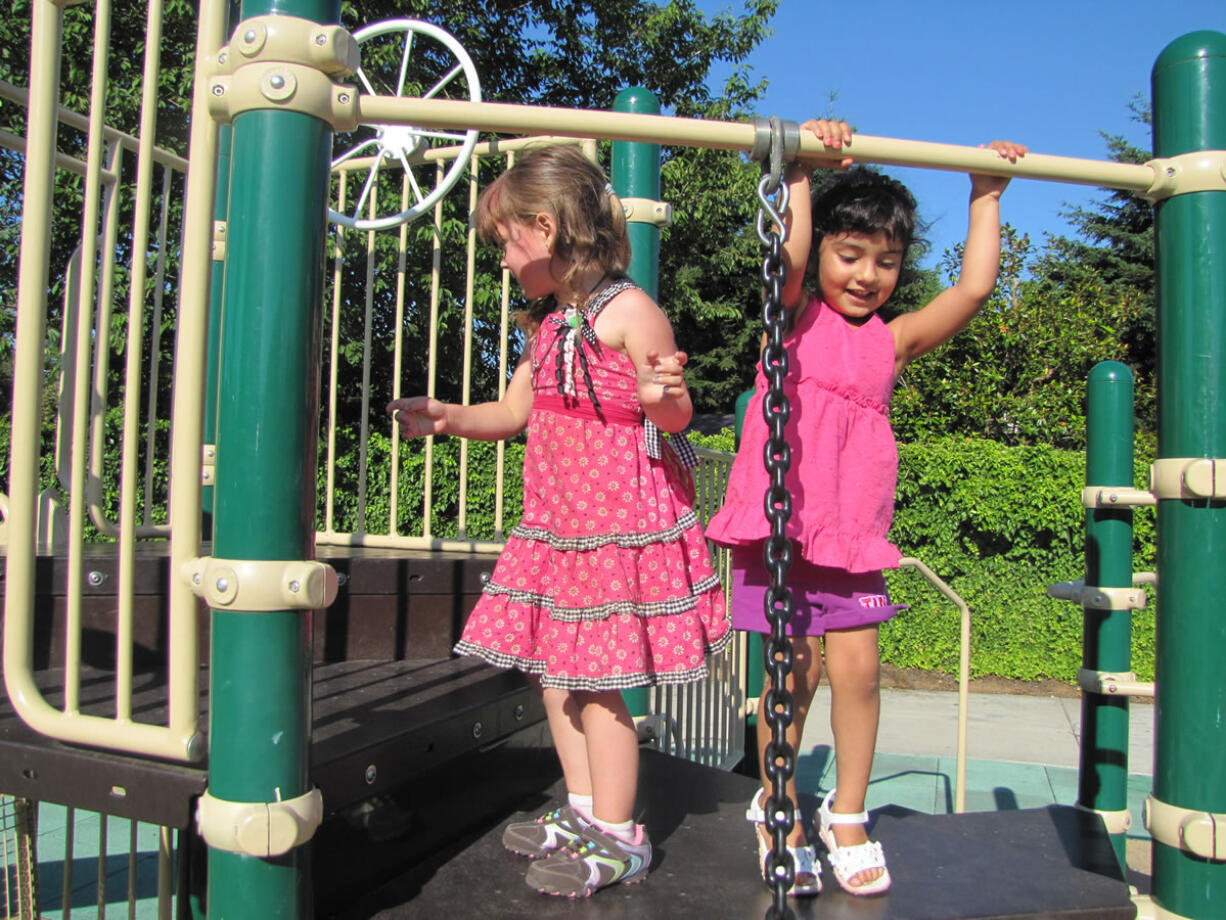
pixel 779 760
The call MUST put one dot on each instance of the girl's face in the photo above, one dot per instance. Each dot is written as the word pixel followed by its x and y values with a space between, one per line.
pixel 527 252
pixel 858 272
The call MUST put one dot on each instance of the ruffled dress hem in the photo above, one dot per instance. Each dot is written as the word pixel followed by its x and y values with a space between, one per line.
pixel 628 681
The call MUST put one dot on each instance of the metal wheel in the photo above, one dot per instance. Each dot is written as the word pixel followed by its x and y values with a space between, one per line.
pixel 407 57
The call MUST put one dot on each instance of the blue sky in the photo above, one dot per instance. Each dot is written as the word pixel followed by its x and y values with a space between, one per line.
pixel 1048 74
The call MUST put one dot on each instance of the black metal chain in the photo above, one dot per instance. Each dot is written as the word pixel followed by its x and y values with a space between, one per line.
pixel 779 760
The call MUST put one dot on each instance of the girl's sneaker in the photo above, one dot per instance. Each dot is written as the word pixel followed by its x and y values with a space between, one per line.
pixel 591 861
pixel 544 835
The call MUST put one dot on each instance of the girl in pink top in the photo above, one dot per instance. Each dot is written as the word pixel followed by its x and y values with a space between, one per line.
pixel 843 362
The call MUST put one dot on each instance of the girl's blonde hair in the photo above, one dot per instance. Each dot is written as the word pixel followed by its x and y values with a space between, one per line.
pixel 561 181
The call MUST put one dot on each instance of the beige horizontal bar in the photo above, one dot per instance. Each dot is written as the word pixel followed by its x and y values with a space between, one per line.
pixel 393 541
pixel 487 149
pixel 17 143
pixel 697 132
pixel 75 120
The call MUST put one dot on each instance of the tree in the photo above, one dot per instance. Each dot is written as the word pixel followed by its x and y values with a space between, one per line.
pixel 1115 249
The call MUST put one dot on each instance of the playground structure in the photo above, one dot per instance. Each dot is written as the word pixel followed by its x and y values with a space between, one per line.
pixel 257 479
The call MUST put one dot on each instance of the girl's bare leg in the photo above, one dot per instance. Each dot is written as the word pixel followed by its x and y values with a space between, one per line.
pixel 802 684
pixel 565 725
pixel 612 754
pixel 853 668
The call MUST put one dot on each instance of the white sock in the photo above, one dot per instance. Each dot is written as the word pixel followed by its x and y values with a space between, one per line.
pixel 581 804
pixel 623 831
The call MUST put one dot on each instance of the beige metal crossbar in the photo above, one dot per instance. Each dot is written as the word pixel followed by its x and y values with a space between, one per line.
pixel 697 132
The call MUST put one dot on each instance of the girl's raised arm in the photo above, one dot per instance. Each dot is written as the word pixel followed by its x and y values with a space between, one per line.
pixel 921 331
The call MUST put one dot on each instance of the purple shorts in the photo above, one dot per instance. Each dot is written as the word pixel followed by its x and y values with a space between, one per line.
pixel 822 598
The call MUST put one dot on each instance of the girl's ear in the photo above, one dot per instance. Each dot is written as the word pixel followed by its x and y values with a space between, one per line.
pixel 547 226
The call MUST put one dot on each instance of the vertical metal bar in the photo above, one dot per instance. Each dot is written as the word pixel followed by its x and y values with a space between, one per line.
pixel 1189 95
pixel 436 263
pixel 28 354
pixel 132 852
pixel 101 302
pixel 139 272
pixel 155 346
pixel 267 428
pixel 1107 634
pixel 101 875
pixel 368 320
pixel 402 258
pixel 334 352
pixel 70 833
pixel 165 873
pixel 636 174
pixel 504 335
pixel 470 260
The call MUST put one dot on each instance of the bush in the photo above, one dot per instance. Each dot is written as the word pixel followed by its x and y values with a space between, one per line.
pixel 1000 525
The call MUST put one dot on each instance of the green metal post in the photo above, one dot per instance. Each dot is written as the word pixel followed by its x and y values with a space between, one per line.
pixel 636 174
pixel 1107 634
pixel 1189 99
pixel 267 418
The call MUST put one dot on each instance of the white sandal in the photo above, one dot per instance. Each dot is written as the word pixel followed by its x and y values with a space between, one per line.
pixel 848 862
pixel 806 868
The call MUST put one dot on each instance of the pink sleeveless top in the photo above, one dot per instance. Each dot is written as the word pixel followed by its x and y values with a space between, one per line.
pixel 844 460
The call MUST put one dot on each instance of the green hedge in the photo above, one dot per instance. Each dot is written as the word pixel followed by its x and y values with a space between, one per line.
pixel 999 525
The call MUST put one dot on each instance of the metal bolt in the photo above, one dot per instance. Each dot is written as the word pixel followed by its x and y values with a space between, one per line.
pixel 321 39
pixel 196 578
pixel 371 773
pixel 221 58
pixel 223 585
pixel 1170 171
pixel 342 98
pixel 519 712
pixel 95 579
pixel 249 36
pixel 276 81
pixel 484 577
pixel 218 89
pixel 478 728
pixel 294 587
pixel 342 579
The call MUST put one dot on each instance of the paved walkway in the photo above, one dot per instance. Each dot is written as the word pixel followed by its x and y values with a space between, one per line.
pixel 1022 752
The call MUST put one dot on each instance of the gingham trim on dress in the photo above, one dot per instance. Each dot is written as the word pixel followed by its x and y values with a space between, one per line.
pixel 680 443
pixel 594 684
pixel 685 521
pixel 604 611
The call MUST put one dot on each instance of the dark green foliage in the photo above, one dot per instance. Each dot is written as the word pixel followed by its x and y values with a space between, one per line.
pixel 1000 525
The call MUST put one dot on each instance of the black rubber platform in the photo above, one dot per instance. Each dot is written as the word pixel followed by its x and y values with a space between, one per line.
pixel 377 724
pixel 1054 862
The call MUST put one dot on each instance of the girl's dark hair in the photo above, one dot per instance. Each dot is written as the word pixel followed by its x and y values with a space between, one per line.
pixel 862 200
pixel 559 180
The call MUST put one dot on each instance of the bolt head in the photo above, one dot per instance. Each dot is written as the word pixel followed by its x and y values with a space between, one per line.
pixel 371 773
pixel 295 587
pixel 223 584
pixel 219 90
pixel 249 36
pixel 276 81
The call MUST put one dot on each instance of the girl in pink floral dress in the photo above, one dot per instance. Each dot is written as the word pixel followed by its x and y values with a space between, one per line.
pixel 606 582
